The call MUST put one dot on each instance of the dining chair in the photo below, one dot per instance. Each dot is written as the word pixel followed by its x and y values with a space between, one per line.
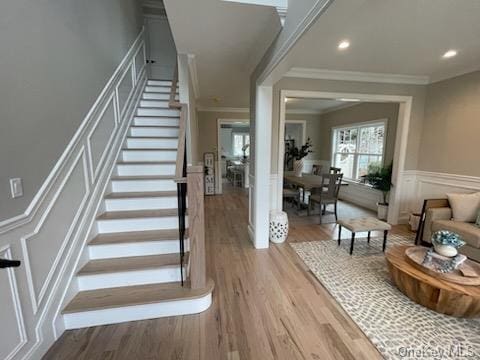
pixel 335 170
pixel 328 195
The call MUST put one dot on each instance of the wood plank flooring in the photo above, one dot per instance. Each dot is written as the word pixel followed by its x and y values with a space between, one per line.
pixel 267 305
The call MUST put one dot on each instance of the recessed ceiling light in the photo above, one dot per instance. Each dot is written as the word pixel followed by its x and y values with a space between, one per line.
pixel 450 53
pixel 348 100
pixel 286 99
pixel 343 45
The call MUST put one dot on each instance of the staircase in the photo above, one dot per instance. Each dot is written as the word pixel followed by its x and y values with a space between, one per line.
pixel 134 270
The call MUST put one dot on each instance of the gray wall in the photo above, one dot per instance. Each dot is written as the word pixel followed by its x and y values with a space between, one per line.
pixel 57 56
pixel 451 136
pixel 356 114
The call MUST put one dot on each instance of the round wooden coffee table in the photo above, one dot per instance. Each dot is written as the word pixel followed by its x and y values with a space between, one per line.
pixel 439 295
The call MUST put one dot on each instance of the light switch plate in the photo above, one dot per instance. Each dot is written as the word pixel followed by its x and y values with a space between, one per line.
pixel 16 187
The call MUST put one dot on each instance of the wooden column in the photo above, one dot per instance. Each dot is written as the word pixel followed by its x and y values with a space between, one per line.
pixel 196 227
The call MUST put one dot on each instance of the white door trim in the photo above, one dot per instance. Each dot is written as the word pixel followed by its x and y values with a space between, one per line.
pixel 220 122
pixel 401 139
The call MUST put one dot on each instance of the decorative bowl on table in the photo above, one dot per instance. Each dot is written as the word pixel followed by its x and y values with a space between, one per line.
pixel 447 243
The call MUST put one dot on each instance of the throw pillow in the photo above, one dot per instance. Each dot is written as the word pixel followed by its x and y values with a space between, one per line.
pixel 465 207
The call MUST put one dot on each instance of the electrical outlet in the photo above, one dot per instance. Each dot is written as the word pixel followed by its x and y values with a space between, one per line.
pixel 16 187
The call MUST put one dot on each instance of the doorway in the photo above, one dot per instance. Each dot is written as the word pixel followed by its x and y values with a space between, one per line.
pixel 233 140
pixel 403 121
pixel 161 51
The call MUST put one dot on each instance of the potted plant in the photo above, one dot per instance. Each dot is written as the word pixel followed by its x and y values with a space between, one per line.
pixel 380 178
pixel 297 154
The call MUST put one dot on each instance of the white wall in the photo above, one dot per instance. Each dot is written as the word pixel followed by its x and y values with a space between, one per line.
pixel 48 239
pixel 56 58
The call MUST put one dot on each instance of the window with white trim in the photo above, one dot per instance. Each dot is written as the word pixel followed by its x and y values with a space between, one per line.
pixel 357 146
pixel 239 141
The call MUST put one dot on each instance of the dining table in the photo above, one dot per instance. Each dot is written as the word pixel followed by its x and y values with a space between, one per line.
pixel 307 181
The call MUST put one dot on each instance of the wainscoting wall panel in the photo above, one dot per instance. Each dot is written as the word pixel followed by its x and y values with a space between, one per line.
pixel 50 236
pixel 420 185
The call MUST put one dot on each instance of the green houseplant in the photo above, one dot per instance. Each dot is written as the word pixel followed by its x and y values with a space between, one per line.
pixel 380 178
pixel 297 154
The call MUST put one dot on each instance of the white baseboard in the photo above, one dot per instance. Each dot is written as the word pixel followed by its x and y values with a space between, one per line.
pixel 50 236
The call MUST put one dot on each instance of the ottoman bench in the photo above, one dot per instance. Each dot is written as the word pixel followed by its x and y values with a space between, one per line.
pixel 363 225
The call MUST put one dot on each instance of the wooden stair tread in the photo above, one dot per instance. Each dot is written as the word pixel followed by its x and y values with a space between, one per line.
pixel 152 137
pixel 143 177
pixel 136 236
pixel 154 126
pixel 153 108
pixel 157 116
pixel 134 295
pixel 152 149
pixel 131 214
pixel 126 195
pixel 145 162
pixel 103 266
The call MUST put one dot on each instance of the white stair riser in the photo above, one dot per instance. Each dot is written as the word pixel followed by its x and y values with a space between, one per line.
pixel 139 170
pixel 161 202
pixel 154 103
pixel 137 312
pixel 157 96
pixel 109 226
pixel 129 278
pixel 153 131
pixel 133 143
pixel 141 248
pixel 143 185
pixel 157 112
pixel 159 82
pixel 149 155
pixel 159 89
pixel 146 121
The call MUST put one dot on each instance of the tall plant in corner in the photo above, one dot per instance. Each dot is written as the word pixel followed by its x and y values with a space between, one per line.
pixel 297 154
pixel 380 178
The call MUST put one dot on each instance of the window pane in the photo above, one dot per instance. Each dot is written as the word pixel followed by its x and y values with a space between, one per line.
pixel 371 139
pixel 345 162
pixel 346 140
pixel 237 144
pixel 364 161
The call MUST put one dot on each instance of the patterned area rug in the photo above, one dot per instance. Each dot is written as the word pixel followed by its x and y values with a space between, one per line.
pixel 397 326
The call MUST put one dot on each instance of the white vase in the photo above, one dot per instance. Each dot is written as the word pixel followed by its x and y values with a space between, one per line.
pixel 382 211
pixel 298 167
pixel 445 250
pixel 278 226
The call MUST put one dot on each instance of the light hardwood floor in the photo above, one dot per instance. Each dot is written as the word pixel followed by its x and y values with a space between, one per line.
pixel 267 305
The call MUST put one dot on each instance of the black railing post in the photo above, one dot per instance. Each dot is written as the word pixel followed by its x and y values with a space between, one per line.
pixel 182 209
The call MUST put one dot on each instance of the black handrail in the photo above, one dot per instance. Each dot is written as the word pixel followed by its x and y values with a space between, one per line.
pixel 182 210
pixel 7 263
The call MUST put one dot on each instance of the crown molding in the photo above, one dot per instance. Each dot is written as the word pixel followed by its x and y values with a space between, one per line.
pixel 304 111
pixel 223 109
pixel 326 74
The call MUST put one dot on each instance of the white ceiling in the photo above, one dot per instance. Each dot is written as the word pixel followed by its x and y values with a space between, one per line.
pixel 319 106
pixel 227 39
pixel 406 37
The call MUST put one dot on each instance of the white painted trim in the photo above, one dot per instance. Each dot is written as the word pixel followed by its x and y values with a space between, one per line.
pixel 261 195
pixel 309 19
pixel 223 109
pixel 44 326
pixel 37 299
pixel 26 217
pixel 6 253
pixel 400 141
pixel 192 67
pixel 220 122
pixel 325 74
